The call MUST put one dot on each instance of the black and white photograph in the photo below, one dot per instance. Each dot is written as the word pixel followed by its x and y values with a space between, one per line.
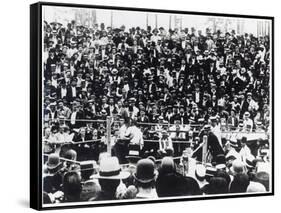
pixel 140 105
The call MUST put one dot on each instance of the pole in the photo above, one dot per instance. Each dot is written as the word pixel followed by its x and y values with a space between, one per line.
pixel 146 20
pixel 111 19
pixel 190 135
pixel 156 21
pixel 181 23
pixel 204 149
pixel 170 22
pixel 108 132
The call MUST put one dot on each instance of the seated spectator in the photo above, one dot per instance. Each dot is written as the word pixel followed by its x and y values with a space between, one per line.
pixel 72 187
pixel 255 187
pixel 109 177
pixel 217 185
pixel 145 179
pixel 239 184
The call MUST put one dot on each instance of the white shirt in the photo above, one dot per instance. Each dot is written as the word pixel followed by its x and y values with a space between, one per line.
pixel 148 193
pixel 197 98
pixel 55 83
pixel 135 135
pixel 248 124
pixel 245 153
pixel 73 91
pixel 165 143
pixel 73 118
pixel 63 92
pixel 122 131
pixel 52 114
pixel 233 152
pixel 155 38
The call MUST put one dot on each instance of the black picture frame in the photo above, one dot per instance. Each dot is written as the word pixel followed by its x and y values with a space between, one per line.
pixel 36 105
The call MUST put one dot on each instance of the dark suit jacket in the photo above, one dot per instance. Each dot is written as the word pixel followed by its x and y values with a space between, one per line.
pixel 69 95
pixel 78 124
pixel 214 145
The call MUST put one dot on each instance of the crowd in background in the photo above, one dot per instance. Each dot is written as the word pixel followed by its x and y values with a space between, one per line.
pixel 156 84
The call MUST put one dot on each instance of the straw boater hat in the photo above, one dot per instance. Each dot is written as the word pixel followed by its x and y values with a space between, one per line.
pixel 213 118
pixel 207 127
pixel 110 169
pixel 200 171
pixel 247 114
pixel 114 71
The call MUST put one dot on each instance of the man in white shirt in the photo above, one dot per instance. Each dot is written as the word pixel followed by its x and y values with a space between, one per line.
pixel 177 131
pixel 154 38
pixel 245 151
pixel 165 143
pixel 248 122
pixel 135 134
pixel 63 91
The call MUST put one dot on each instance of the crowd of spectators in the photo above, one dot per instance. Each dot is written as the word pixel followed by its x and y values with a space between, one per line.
pixel 148 178
pixel 155 84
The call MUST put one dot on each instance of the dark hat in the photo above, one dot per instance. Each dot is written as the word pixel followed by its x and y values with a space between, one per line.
pixel 220 161
pixel 230 158
pixel 213 118
pixel 53 161
pixel 145 171
pixel 217 185
pixel 207 127
pixel 87 168
pixel 70 154
pixel 263 178
pixel 210 171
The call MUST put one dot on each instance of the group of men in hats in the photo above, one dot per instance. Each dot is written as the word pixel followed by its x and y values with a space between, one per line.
pixel 148 178
pixel 174 79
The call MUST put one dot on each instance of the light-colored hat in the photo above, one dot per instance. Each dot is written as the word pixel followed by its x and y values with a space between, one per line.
pixel 256 187
pixel 247 114
pixel 110 169
pixel 200 171
pixel 237 167
pixel 114 71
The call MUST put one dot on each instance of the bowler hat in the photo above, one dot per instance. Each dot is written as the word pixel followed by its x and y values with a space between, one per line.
pixel 145 171
pixel 53 161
